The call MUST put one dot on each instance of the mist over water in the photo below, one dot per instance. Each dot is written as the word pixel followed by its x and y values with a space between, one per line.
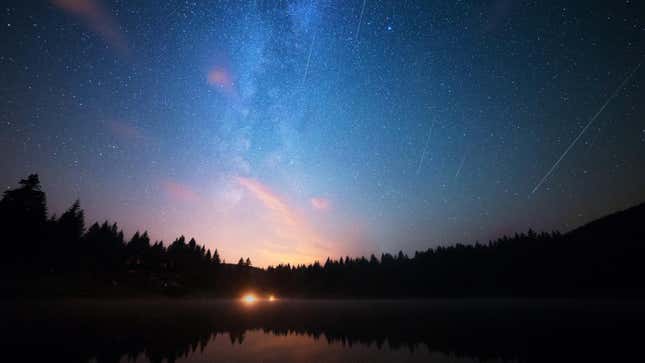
pixel 208 330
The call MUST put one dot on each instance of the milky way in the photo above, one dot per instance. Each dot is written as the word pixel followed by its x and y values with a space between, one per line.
pixel 289 131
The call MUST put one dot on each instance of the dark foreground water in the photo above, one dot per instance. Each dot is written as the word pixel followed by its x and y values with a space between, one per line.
pixel 322 331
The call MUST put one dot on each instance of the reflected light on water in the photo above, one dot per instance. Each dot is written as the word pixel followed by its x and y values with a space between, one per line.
pixel 259 346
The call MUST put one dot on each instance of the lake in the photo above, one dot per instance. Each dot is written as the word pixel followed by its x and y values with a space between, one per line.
pixel 208 330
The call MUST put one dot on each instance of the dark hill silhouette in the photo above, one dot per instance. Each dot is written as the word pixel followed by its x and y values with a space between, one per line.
pixel 609 251
pixel 59 256
pixel 626 224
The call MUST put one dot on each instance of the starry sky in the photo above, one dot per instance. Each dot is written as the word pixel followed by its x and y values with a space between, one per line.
pixel 289 131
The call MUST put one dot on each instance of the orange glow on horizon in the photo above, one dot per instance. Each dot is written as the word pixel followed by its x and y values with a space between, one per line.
pixel 289 235
pixel 244 216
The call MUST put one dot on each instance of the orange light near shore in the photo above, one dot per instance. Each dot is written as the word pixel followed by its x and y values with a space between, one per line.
pixel 249 299
pixel 271 298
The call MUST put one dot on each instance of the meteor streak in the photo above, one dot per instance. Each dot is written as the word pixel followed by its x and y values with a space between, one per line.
pixel 311 48
pixel 573 143
pixel 461 165
pixel 425 149
pixel 360 20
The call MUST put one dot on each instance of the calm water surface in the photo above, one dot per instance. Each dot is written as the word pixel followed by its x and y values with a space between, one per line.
pixel 322 331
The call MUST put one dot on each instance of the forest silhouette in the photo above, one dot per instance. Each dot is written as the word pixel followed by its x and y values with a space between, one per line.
pixel 59 256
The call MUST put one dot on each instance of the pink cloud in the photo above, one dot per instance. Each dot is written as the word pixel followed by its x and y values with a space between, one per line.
pixel 320 203
pixel 269 199
pixel 243 216
pixel 178 192
pixel 221 79
pixel 97 18
pixel 291 237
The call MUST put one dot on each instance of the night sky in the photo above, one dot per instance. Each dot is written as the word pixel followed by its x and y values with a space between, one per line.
pixel 289 131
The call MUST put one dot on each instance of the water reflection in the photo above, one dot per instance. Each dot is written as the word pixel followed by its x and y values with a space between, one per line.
pixel 321 331
pixel 258 345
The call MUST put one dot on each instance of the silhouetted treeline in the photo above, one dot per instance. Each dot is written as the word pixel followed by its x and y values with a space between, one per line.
pixel 58 255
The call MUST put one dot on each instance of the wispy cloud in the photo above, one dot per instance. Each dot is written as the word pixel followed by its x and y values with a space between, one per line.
pixel 269 199
pixel 97 18
pixel 320 203
pixel 293 238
